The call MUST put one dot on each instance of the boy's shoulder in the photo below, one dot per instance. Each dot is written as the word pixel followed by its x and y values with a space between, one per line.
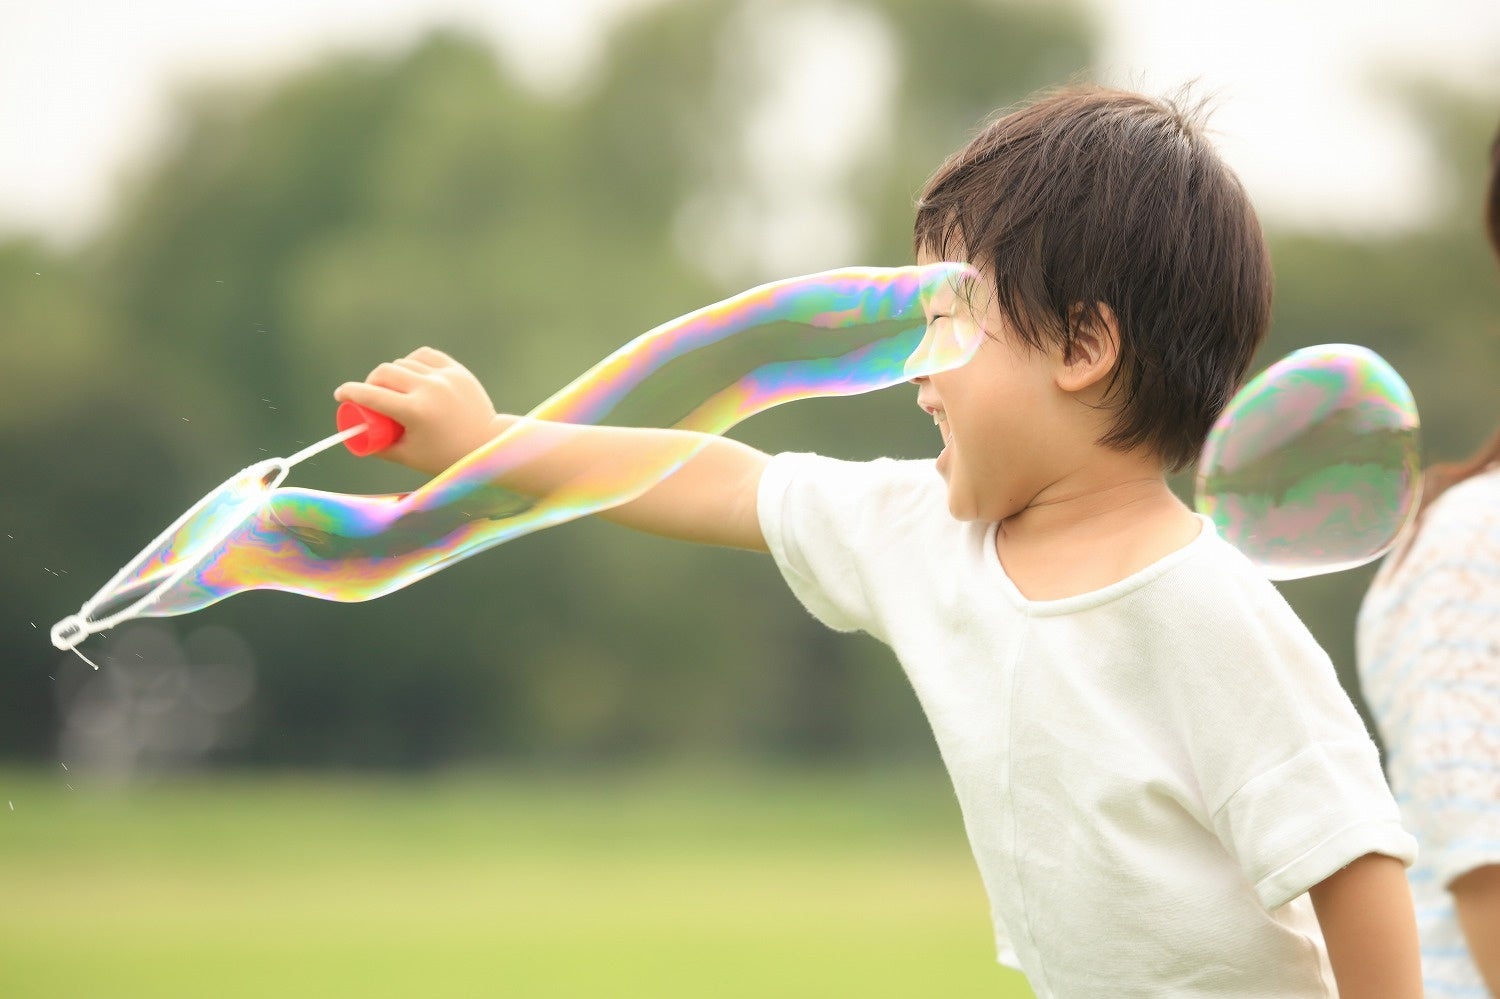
pixel 880 507
pixel 1218 592
pixel 1220 642
pixel 878 488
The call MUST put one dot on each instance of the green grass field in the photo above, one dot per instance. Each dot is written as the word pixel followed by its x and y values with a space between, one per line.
pixel 661 886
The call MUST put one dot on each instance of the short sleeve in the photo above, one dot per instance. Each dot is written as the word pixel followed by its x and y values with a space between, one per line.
pixel 1290 778
pixel 833 528
pixel 1297 823
pixel 1444 727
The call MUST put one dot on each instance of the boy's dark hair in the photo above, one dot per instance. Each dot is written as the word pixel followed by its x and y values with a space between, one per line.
pixel 1095 196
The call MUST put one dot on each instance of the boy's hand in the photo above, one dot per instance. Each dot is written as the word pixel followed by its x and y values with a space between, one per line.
pixel 444 408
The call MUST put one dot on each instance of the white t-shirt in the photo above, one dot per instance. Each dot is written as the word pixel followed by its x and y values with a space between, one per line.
pixel 1429 661
pixel 1151 775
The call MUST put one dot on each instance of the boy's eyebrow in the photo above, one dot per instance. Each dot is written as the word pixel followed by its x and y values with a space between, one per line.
pixel 940 299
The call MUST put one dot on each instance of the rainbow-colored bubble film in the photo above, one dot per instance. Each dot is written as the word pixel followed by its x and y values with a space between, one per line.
pixel 1314 466
pixel 835 333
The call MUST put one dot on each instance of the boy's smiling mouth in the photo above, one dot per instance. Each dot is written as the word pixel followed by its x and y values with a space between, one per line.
pixel 939 420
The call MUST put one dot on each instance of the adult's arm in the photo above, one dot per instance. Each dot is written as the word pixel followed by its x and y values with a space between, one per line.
pixel 1476 896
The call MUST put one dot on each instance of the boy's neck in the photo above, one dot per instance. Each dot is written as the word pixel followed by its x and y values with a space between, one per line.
pixel 1093 528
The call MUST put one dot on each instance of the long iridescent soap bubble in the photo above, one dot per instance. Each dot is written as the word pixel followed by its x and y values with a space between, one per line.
pixel 834 333
pixel 1314 466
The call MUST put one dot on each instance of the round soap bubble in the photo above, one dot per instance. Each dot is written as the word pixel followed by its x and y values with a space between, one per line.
pixel 1314 465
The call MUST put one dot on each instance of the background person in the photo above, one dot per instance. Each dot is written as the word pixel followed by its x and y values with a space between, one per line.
pixel 1429 661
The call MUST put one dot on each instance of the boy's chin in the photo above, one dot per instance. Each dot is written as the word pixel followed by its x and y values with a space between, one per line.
pixel 961 505
pixel 966 505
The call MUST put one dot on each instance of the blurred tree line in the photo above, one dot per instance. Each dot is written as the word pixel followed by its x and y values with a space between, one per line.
pixel 291 237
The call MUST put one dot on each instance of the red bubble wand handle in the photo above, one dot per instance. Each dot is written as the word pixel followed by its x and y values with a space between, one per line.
pixel 374 432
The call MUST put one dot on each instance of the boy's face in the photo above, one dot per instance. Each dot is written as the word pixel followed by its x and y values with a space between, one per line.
pixel 993 414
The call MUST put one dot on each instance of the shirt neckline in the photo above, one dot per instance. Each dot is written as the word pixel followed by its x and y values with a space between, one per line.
pixel 1207 535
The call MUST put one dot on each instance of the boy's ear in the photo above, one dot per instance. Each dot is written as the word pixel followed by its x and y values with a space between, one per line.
pixel 1096 349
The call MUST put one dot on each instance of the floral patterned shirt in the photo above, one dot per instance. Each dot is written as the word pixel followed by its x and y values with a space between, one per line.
pixel 1429 661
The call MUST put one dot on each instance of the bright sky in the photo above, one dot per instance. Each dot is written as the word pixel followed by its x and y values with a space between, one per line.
pixel 85 85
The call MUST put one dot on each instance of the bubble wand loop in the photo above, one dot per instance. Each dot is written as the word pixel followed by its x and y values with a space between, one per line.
pixel 259 480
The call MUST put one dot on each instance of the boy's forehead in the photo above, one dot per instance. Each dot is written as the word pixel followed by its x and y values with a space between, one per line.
pixel 926 254
pixel 960 290
pixel 941 296
pixel 952 252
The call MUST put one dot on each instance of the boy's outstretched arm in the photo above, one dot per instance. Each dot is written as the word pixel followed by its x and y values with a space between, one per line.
pixel 1370 928
pixel 447 414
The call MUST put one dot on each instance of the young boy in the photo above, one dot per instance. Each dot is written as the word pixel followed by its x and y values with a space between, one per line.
pixel 1166 790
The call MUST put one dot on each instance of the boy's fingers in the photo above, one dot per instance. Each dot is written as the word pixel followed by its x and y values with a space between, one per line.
pixel 432 357
pixel 411 364
pixel 393 376
pixel 386 401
